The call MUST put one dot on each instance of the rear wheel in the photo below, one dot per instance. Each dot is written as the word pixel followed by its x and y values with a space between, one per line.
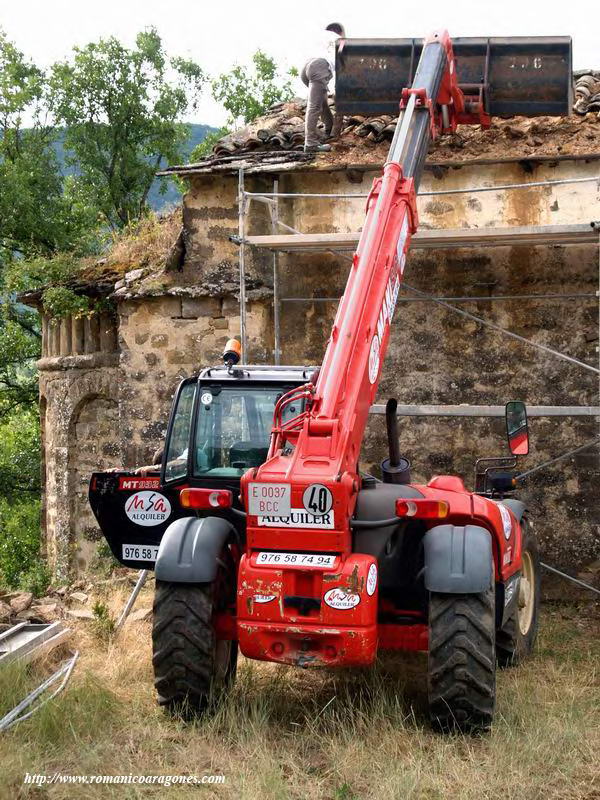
pixel 462 662
pixel 193 669
pixel 516 639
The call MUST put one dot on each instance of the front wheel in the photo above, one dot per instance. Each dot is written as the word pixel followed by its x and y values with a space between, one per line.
pixel 516 639
pixel 192 667
pixel 462 661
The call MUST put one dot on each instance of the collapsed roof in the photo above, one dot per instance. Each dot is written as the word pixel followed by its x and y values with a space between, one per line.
pixel 275 141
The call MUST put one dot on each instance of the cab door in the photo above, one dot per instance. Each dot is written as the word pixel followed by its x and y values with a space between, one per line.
pixel 134 510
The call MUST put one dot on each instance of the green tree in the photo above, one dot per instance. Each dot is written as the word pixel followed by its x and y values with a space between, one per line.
pixel 121 108
pixel 36 215
pixel 41 214
pixel 20 342
pixel 204 148
pixel 20 562
pixel 247 92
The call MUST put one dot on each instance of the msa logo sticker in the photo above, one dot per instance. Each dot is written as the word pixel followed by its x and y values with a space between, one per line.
pixel 139 483
pixel 372 580
pixel 506 521
pixel 317 499
pixel 298 518
pixel 263 598
pixel 147 508
pixel 341 600
pixel 385 317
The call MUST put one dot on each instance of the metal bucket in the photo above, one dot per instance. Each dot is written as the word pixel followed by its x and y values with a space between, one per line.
pixel 520 75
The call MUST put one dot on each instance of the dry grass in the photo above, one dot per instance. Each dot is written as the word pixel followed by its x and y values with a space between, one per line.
pixel 287 733
pixel 146 243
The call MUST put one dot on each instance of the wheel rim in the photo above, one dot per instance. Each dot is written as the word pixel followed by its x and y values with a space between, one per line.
pixel 526 593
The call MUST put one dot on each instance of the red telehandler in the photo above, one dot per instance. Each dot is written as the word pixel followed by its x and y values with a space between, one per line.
pixel 265 535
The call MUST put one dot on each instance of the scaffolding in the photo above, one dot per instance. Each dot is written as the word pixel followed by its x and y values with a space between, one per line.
pixel 341 244
pixel 294 241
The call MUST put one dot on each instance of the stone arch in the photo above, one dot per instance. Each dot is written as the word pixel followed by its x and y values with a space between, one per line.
pixel 89 400
pixel 93 446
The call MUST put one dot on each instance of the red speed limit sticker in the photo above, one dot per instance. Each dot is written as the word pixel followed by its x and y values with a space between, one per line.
pixel 317 499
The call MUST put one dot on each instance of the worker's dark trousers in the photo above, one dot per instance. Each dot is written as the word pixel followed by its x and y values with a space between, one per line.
pixel 316 74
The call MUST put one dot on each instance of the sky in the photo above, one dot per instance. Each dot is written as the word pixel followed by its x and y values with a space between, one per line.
pixel 223 32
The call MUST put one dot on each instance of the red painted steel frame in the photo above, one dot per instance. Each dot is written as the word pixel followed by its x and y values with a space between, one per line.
pixel 323 445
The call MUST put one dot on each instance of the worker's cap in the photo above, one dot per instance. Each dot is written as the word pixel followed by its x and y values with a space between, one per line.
pixel 336 27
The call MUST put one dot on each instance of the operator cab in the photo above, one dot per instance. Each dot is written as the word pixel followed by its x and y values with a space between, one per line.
pixel 221 422
pixel 219 427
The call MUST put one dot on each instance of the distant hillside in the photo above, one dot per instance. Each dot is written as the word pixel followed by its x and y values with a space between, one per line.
pixel 156 200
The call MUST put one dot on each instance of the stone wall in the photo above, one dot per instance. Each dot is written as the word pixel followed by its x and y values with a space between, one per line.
pixel 79 393
pixel 106 383
pixel 163 340
pixel 438 357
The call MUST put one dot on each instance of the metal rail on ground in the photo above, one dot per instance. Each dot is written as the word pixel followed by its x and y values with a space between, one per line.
pixel 19 714
pixel 142 578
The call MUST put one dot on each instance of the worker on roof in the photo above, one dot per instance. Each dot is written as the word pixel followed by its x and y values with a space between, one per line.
pixel 316 74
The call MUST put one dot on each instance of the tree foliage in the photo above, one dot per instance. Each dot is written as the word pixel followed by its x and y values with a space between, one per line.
pixel 20 563
pixel 246 92
pixel 205 147
pixel 121 108
pixel 19 348
pixel 37 212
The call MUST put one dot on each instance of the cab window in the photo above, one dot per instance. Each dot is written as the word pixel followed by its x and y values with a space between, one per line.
pixel 177 448
pixel 233 428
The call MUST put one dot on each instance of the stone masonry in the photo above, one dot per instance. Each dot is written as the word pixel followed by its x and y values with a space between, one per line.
pixel 106 382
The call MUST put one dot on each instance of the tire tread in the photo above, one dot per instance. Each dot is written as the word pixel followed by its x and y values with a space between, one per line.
pixel 462 685
pixel 183 645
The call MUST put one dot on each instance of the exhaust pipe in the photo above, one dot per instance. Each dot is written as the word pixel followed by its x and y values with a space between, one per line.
pixel 396 468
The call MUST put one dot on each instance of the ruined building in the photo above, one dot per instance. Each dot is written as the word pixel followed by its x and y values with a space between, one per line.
pixel 106 381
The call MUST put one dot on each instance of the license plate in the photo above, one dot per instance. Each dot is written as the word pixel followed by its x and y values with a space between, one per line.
pixel 140 552
pixel 294 559
pixel 269 499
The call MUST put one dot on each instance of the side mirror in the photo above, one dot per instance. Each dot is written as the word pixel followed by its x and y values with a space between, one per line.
pixel 516 428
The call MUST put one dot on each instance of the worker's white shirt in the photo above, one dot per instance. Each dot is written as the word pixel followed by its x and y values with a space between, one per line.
pixel 324 47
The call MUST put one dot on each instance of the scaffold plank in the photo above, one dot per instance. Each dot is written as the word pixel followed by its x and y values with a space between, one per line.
pixel 465 410
pixel 437 239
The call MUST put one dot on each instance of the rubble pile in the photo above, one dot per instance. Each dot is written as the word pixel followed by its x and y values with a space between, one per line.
pixel 281 129
pixel 74 601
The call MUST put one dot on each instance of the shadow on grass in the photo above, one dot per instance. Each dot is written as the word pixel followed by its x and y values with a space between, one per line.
pixel 288 700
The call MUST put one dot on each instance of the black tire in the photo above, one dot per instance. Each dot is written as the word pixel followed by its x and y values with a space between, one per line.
pixel 192 669
pixel 462 661
pixel 516 639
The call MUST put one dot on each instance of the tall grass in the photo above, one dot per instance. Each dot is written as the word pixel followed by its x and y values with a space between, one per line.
pixel 290 734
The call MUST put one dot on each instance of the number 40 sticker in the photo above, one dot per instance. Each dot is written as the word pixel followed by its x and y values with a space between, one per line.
pixel 317 499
